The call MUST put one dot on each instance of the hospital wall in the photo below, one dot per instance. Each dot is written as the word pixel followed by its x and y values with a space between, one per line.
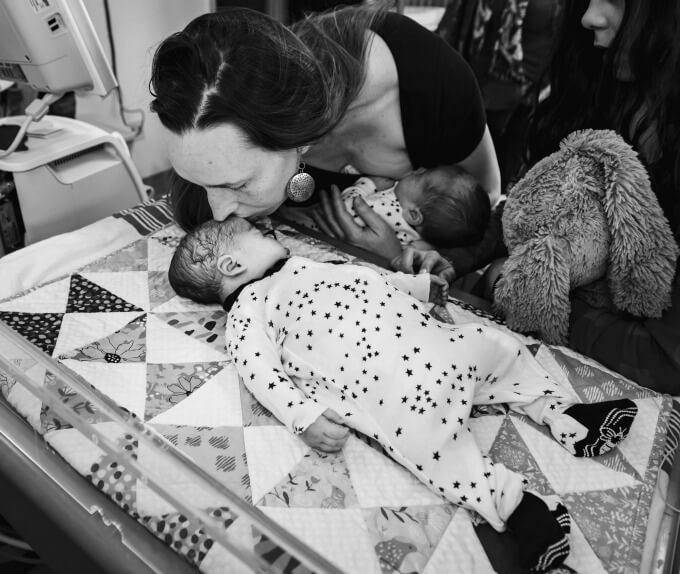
pixel 138 26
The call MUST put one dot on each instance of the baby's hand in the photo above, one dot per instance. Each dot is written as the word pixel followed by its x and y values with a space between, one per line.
pixel 327 433
pixel 382 183
pixel 439 290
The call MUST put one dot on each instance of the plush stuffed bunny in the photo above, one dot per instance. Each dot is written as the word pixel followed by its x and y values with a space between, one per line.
pixel 584 217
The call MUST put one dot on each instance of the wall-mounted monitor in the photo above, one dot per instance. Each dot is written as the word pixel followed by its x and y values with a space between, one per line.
pixel 52 46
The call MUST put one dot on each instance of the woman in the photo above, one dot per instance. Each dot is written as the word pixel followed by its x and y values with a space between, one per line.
pixel 247 102
pixel 617 66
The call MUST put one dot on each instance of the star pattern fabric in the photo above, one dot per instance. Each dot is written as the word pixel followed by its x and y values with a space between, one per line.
pixel 315 336
pixel 215 420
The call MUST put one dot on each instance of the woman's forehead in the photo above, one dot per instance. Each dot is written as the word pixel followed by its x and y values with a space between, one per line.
pixel 212 156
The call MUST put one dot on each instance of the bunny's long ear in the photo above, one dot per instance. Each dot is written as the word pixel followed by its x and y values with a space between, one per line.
pixel 643 252
pixel 533 291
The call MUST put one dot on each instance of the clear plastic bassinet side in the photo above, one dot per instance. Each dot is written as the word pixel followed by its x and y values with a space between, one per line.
pixel 142 472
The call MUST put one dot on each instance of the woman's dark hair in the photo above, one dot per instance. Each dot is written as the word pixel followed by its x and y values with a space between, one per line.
pixel 284 88
pixel 632 87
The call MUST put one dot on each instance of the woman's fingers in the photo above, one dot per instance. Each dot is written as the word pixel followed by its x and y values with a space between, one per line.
pixel 318 218
pixel 329 213
pixel 343 217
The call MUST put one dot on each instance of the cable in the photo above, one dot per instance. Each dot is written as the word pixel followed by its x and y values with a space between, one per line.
pixel 35 111
pixel 136 129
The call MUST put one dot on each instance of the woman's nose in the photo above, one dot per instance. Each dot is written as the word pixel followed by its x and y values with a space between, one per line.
pixel 593 18
pixel 222 203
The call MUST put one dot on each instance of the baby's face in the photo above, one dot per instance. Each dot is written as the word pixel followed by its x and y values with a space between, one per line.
pixel 409 192
pixel 256 250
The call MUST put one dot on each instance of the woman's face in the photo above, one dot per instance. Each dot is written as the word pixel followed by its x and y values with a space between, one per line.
pixel 604 17
pixel 238 177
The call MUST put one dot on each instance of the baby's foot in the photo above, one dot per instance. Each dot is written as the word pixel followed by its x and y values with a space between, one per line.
pixel 541 527
pixel 594 429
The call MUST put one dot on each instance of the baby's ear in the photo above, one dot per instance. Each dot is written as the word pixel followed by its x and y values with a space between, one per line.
pixel 413 216
pixel 229 266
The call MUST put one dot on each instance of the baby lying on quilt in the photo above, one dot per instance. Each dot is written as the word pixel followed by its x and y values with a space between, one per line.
pixel 325 347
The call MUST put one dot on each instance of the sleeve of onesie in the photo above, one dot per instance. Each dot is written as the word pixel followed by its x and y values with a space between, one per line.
pixel 256 356
pixel 417 286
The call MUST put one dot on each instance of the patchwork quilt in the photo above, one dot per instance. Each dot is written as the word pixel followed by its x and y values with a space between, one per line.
pixel 117 324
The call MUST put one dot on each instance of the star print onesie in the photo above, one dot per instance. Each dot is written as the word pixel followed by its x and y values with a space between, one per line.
pixel 384 203
pixel 315 335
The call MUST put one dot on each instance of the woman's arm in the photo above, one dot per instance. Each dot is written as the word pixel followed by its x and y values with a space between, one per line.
pixel 482 164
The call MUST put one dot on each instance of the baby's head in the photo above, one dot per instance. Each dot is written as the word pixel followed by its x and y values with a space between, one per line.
pixel 217 257
pixel 445 205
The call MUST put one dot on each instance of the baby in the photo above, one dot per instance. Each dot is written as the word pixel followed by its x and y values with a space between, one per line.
pixel 325 347
pixel 440 207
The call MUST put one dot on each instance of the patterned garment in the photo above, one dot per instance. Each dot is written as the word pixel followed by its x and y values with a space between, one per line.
pixel 383 202
pixel 315 336
pixel 508 55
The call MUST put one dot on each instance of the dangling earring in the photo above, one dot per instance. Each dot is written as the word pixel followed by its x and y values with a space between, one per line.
pixel 301 186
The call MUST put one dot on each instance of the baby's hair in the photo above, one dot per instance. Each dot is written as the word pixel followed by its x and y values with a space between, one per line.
pixel 455 208
pixel 193 270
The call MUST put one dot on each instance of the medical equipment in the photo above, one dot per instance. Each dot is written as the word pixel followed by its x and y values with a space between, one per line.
pixel 72 173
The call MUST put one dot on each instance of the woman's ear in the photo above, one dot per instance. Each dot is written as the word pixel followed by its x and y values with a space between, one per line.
pixel 229 266
pixel 302 150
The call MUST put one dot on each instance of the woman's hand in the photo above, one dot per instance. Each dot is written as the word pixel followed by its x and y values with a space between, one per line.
pixel 375 235
pixel 412 260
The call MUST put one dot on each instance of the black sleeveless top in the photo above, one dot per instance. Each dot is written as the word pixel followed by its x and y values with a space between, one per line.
pixel 442 110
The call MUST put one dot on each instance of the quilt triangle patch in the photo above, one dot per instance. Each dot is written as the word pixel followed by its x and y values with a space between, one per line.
pixel 338 535
pixel 319 480
pixel 220 450
pixel 110 475
pixel 380 481
pixel 254 413
pixel 620 542
pixel 130 258
pixel 641 445
pixel 510 449
pixel 88 297
pixel 272 452
pixel 50 298
pixel 127 345
pixel 184 536
pixel 160 290
pixel 405 537
pixel 169 384
pixel 567 473
pixel 215 404
pixel 208 327
pixel 595 384
pixel 50 420
pixel 460 545
pixel 161 250
pixel 41 329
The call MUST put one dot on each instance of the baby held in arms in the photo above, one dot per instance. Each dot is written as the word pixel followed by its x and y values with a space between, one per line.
pixel 330 347
pixel 429 208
